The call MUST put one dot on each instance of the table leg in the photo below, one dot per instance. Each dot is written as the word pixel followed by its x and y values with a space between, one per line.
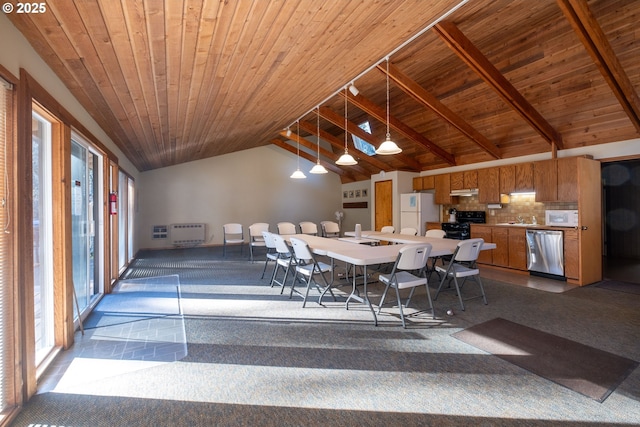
pixel 361 299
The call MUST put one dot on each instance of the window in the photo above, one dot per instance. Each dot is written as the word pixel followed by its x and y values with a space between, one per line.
pixel 41 141
pixel 360 143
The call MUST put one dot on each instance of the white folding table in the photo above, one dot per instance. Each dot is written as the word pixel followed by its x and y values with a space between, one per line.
pixel 365 255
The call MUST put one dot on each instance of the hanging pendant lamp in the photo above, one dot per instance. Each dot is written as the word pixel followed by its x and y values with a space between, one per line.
pixel 318 168
pixel 298 174
pixel 388 146
pixel 346 159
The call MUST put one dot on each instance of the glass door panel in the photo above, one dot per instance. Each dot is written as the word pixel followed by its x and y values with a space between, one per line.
pixel 42 237
pixel 86 222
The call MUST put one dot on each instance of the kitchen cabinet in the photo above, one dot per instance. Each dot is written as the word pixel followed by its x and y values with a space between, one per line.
pixel 571 254
pixel 464 180
pixel 489 185
pixel 516 178
pixel 517 248
pixel 433 226
pixel 524 178
pixel 428 182
pixel 545 174
pixel 556 180
pixel 500 236
pixel 482 232
pixel 443 190
pixel 507 179
pixel 456 181
pixel 423 183
pixel 417 183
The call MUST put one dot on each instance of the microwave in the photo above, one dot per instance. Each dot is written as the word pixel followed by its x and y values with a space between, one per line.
pixel 561 218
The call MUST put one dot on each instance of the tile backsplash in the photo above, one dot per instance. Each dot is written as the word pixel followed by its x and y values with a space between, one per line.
pixel 519 205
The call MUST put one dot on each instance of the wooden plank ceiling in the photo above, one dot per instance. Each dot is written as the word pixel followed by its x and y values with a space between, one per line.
pixel 181 80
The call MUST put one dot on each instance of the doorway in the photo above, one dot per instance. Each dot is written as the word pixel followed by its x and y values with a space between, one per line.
pixel 621 213
pixel 384 204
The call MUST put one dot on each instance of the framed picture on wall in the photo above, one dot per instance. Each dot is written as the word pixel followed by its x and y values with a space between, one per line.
pixel 364 192
pixel 357 193
pixel 345 194
pixel 351 194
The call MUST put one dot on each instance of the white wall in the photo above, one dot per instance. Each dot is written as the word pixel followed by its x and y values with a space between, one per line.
pixel 352 193
pixel 245 187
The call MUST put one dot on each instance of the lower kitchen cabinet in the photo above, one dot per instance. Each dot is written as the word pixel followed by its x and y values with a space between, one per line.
pixel 500 236
pixel 518 248
pixel 571 254
pixel 485 257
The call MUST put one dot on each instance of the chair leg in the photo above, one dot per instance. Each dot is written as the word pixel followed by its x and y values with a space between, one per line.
pixel 384 295
pixel 400 307
pixel 484 297
pixel 459 292
pixel 306 294
pixel 251 251
pixel 433 310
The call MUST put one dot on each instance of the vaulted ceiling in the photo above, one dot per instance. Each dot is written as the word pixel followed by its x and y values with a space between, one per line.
pixel 179 80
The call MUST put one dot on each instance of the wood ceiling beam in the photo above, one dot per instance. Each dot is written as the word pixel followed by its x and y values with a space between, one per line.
pixel 595 41
pixel 330 115
pixel 471 55
pixel 333 168
pixel 380 114
pixel 417 92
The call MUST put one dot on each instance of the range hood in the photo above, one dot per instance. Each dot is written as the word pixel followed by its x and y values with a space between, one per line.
pixel 464 192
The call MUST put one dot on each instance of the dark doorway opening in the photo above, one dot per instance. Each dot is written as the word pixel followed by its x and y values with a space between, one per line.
pixel 621 215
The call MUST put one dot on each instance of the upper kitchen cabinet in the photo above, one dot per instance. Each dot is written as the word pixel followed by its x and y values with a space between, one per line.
pixel 516 178
pixel 423 183
pixel 464 180
pixel 443 189
pixel 489 185
pixel 524 178
pixel 556 180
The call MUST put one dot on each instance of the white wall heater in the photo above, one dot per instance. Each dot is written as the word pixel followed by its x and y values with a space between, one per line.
pixel 187 234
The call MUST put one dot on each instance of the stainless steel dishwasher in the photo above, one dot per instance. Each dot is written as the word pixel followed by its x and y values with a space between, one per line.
pixel 545 253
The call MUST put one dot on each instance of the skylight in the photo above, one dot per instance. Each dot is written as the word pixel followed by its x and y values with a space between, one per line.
pixel 360 143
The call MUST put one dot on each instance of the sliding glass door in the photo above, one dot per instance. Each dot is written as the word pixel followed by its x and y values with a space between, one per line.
pixel 86 223
pixel 126 213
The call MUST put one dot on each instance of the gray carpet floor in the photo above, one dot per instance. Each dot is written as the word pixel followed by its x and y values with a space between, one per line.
pixel 256 357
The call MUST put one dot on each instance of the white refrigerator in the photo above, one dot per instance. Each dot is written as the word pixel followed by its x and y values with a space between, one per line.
pixel 416 209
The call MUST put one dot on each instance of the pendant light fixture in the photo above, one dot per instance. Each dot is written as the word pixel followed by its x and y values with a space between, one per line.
pixel 318 168
pixel 298 174
pixel 346 159
pixel 388 146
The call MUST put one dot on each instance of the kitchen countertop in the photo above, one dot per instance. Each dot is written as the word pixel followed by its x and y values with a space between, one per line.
pixel 525 226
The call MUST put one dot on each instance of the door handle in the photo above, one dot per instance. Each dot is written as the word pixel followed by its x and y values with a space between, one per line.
pixel 584 227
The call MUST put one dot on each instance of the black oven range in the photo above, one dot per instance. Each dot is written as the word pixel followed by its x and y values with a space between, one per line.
pixel 461 229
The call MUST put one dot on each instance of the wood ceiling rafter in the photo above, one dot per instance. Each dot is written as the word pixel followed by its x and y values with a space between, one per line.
pixel 417 92
pixel 380 114
pixel 475 59
pixel 595 41
pixel 333 117
pixel 345 175
pixel 339 145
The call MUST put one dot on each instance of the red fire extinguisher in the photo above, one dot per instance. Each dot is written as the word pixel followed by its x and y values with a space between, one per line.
pixel 113 203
